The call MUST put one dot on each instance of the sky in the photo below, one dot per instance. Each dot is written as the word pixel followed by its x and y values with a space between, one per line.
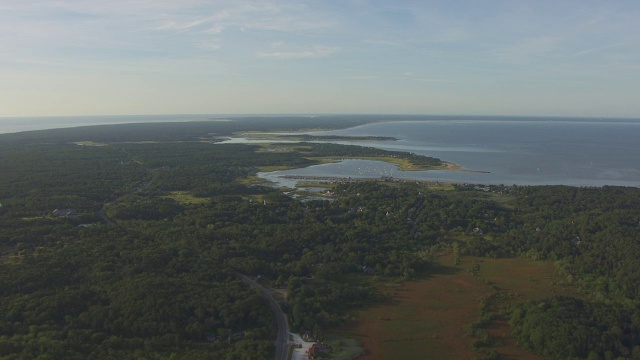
pixel 130 57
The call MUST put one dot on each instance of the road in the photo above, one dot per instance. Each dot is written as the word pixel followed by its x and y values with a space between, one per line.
pixel 282 340
pixel 104 216
pixel 103 211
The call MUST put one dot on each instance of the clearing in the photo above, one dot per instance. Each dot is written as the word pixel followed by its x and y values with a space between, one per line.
pixel 430 318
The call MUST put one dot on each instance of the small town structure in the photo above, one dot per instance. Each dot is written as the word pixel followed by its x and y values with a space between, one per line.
pixel 308 337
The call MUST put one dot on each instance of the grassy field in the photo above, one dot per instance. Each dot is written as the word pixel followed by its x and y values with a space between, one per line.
pixel 184 198
pixel 90 143
pixel 517 280
pixel 430 318
pixel 344 349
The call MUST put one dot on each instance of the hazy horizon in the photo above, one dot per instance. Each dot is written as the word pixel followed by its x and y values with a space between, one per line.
pixel 245 57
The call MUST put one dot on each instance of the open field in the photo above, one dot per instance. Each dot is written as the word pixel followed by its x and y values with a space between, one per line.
pixel 313 184
pixel 524 279
pixel 430 318
pixel 518 280
pixel 184 198
pixel 279 148
pixel 90 143
pixel 425 319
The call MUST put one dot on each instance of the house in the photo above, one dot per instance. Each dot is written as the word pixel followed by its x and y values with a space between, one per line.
pixel 368 270
pixel 67 213
pixel 308 337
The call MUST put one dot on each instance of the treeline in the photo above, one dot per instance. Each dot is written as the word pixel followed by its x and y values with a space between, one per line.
pixel 200 130
pixel 36 179
pixel 569 328
pixel 592 234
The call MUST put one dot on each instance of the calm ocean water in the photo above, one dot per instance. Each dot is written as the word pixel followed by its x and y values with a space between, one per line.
pixel 537 152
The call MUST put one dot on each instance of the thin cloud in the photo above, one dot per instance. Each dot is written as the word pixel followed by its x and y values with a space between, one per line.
pixel 601 50
pixel 410 76
pixel 210 45
pixel 392 43
pixel 215 29
pixel 316 52
pixel 533 46
pixel 362 77
pixel 173 25
pixel 429 80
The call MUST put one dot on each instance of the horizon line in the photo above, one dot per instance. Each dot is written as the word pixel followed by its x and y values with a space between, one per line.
pixel 629 117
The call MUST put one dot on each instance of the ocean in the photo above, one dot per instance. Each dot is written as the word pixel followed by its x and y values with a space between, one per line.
pixel 577 152
pixel 531 151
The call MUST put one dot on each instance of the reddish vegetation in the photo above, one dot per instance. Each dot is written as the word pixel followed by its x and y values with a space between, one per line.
pixel 428 319
pixel 523 280
pixel 425 320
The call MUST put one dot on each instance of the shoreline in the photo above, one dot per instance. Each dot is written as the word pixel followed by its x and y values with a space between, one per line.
pixel 448 166
pixel 338 179
pixel 455 167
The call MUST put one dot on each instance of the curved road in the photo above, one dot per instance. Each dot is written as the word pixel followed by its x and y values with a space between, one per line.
pixel 282 340
pixel 103 211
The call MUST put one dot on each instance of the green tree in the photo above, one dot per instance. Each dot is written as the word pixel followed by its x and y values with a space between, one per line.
pixel 456 254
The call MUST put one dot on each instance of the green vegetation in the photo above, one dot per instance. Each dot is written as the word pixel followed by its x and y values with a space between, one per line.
pixel 326 152
pixel 160 281
pixel 409 160
pixel 569 328
pixel 308 137
pixel 184 198
pixel 344 349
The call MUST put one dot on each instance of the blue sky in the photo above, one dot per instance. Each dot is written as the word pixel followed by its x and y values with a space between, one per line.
pixel 94 57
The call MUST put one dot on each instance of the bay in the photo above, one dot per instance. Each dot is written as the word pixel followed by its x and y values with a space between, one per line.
pixel 573 152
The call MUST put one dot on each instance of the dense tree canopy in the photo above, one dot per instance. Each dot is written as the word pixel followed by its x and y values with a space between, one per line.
pixel 162 282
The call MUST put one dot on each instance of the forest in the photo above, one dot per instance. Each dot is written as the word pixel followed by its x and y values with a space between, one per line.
pixel 160 282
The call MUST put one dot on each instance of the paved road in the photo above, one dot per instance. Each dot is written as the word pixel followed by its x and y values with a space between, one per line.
pixel 282 340
pixel 104 216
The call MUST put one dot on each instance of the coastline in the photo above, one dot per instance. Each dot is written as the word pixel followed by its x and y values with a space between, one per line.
pixel 447 166
pixel 450 166
pixel 338 179
pixel 528 166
